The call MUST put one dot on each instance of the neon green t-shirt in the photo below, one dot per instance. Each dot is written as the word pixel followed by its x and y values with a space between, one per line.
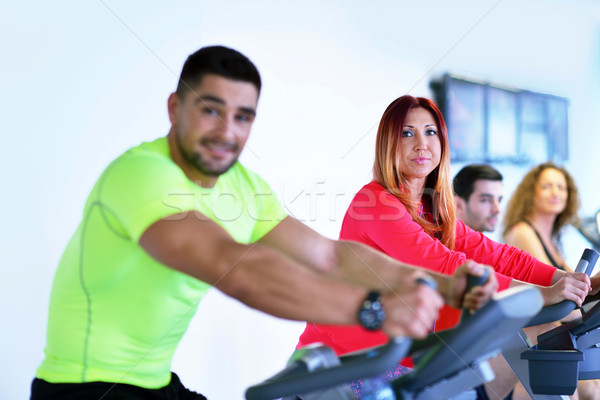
pixel 116 314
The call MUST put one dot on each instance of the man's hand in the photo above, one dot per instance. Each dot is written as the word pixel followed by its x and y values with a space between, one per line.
pixel 573 286
pixel 411 308
pixel 478 295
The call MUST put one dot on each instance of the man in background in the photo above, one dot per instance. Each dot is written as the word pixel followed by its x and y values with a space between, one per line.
pixel 477 194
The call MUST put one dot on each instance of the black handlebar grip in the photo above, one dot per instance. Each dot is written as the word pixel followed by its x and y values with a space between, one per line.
pixel 557 311
pixel 587 262
pixel 473 280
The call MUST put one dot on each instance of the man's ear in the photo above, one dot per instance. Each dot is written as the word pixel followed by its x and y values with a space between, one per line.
pixel 461 207
pixel 173 104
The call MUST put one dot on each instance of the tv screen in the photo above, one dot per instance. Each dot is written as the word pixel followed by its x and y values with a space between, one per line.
pixel 491 123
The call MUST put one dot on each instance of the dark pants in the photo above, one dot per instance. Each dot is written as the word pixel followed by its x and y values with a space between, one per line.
pixel 482 394
pixel 42 390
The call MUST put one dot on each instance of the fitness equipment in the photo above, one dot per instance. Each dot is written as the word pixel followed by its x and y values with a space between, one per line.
pixel 563 355
pixel 446 363
pixel 589 227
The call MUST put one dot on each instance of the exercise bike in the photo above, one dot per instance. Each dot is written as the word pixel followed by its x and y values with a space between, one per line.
pixel 589 227
pixel 563 355
pixel 447 364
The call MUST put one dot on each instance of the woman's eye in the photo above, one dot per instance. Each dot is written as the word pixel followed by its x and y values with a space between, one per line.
pixel 430 132
pixel 407 133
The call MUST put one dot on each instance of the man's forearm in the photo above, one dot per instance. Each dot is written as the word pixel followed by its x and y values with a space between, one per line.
pixel 271 282
pixel 359 264
pixel 365 266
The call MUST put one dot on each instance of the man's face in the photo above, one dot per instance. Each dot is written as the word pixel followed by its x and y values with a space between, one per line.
pixel 213 122
pixel 481 211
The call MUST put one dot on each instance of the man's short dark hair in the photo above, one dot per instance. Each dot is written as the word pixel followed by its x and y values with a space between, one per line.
pixel 464 181
pixel 218 60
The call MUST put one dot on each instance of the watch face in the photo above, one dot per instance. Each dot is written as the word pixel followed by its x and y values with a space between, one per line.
pixel 371 314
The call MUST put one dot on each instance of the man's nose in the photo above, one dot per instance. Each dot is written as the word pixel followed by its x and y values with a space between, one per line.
pixel 227 126
pixel 495 207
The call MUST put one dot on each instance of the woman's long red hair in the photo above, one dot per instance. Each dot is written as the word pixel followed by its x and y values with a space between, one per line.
pixel 438 187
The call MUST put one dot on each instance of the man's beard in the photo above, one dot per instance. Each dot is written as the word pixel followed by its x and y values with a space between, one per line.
pixel 201 165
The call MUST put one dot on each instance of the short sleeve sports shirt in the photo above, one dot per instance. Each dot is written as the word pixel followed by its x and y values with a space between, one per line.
pixel 116 314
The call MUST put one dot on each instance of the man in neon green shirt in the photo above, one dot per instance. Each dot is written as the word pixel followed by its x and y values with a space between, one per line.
pixel 170 218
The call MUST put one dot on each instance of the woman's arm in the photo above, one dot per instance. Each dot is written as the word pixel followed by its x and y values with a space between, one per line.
pixel 361 265
pixel 566 287
pixel 379 220
pixel 506 259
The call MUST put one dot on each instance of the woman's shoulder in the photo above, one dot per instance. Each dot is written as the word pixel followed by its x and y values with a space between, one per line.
pixel 373 187
pixel 374 200
pixel 521 226
pixel 520 234
pixel 375 192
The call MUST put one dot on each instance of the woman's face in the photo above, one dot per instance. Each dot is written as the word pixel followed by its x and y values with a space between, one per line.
pixel 420 146
pixel 551 192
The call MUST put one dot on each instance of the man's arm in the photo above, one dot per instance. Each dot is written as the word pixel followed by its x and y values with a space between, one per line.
pixel 359 264
pixel 280 283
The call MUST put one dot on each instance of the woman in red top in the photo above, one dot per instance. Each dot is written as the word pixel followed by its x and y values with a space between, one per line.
pixel 407 212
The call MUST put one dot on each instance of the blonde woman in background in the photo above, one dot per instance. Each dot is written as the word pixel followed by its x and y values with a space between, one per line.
pixel 544 203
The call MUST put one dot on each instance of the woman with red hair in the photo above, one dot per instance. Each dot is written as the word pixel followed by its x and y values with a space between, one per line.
pixel 407 211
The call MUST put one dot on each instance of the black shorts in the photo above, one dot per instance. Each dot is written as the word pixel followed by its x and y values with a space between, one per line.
pixel 42 390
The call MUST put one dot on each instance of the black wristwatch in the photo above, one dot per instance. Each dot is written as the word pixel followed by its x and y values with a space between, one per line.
pixel 371 313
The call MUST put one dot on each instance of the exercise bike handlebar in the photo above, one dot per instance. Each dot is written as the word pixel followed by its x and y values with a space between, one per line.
pixel 473 281
pixel 560 310
pixel 587 262
pixel 296 378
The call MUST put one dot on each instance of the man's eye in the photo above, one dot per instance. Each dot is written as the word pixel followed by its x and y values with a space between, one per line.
pixel 209 111
pixel 243 118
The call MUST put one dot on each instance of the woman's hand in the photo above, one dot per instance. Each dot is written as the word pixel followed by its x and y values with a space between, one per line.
pixel 573 286
pixel 478 295
pixel 595 282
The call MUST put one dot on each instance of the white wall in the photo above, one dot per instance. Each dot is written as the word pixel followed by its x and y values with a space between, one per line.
pixel 83 81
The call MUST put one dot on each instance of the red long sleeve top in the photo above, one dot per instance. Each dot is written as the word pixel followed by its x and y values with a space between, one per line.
pixel 377 218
